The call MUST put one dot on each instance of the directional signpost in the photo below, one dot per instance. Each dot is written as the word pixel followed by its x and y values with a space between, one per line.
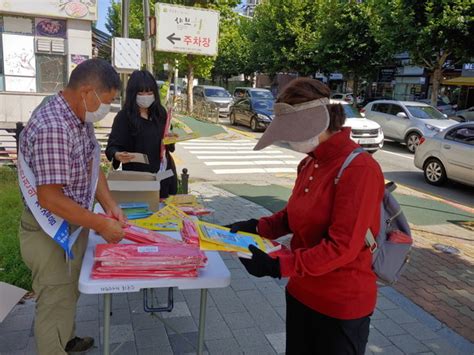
pixel 189 30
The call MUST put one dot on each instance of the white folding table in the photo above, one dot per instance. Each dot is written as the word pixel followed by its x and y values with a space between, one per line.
pixel 214 275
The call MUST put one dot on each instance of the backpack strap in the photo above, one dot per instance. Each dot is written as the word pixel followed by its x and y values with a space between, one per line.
pixel 346 163
pixel 370 241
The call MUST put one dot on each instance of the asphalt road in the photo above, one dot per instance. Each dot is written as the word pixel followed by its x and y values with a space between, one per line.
pixel 397 165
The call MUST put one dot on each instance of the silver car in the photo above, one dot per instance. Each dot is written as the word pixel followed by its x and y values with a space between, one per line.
pixel 465 115
pixel 407 121
pixel 448 155
pixel 216 95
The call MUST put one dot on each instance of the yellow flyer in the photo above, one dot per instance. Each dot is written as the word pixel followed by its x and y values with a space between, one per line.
pixel 214 237
pixel 158 224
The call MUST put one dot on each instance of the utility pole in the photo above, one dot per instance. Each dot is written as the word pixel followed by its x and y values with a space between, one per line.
pixel 125 10
pixel 176 74
pixel 148 49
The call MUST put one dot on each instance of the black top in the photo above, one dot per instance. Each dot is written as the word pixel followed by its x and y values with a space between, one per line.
pixel 138 135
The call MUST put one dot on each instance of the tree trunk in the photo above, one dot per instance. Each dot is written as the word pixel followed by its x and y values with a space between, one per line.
pixel 437 76
pixel 190 77
pixel 355 88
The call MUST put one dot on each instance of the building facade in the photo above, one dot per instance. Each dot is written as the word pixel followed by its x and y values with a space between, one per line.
pixel 41 42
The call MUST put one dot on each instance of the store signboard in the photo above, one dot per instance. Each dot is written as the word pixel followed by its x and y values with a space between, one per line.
pixel 386 75
pixel 189 30
pixel 74 9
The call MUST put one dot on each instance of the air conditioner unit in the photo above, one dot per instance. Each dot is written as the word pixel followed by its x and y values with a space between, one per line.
pixel 58 46
pixel 43 45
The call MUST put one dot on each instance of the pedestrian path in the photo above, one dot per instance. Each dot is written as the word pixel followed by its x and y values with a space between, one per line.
pixel 248 317
pixel 238 157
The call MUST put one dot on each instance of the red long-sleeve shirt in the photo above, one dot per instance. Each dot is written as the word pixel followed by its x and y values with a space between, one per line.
pixel 330 267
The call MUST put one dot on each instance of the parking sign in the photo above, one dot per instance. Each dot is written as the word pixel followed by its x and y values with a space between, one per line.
pixel 182 29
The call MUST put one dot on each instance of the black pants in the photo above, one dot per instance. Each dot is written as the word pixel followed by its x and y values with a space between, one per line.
pixel 310 332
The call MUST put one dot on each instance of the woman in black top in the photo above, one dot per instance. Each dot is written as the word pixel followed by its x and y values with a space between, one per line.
pixel 139 127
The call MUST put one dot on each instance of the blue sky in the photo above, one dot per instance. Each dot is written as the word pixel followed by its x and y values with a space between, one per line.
pixel 102 14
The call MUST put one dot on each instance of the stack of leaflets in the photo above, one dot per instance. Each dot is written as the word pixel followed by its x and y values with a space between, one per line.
pixel 214 237
pixel 136 210
pixel 188 204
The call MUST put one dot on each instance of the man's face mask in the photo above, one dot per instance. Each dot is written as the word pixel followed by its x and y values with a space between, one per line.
pixel 98 114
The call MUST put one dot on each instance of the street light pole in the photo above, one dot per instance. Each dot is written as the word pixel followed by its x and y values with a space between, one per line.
pixel 125 10
pixel 148 49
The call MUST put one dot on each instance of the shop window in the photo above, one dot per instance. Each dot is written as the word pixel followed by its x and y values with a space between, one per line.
pixel 51 74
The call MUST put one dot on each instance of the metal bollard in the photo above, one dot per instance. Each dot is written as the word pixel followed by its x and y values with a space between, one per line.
pixel 185 181
pixel 18 129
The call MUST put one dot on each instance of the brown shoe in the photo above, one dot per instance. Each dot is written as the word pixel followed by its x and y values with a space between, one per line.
pixel 77 345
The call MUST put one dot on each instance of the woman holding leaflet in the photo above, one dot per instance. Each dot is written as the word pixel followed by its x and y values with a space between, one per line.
pixel 332 291
pixel 139 128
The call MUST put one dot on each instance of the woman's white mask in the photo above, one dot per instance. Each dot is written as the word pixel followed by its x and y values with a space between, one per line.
pixel 145 101
pixel 306 146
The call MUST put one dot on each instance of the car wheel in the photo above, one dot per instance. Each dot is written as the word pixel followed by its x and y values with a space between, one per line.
pixel 232 119
pixel 412 141
pixel 434 172
pixel 253 124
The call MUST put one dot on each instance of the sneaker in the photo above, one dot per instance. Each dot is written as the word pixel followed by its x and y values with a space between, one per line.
pixel 77 345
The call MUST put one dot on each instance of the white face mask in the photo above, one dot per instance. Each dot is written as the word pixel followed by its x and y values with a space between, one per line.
pixel 145 101
pixel 98 114
pixel 306 146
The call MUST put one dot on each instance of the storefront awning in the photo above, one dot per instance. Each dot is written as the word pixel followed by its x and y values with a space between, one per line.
pixel 459 81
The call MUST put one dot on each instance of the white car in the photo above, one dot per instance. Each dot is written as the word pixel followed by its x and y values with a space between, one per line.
pixel 365 132
pixel 465 115
pixel 407 121
pixel 448 155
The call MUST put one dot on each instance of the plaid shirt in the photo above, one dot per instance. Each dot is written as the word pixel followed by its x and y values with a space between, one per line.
pixel 58 148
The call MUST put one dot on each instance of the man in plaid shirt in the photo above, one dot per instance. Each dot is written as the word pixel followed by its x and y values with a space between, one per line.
pixel 58 144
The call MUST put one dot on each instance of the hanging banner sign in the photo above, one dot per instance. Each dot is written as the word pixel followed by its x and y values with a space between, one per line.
pixel 182 29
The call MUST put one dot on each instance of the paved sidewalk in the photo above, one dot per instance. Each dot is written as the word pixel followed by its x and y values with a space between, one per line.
pixel 247 317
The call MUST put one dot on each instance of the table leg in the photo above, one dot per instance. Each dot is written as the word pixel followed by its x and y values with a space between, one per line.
pixel 107 307
pixel 202 321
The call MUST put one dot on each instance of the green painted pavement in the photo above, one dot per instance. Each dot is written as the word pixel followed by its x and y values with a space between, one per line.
pixel 205 129
pixel 419 211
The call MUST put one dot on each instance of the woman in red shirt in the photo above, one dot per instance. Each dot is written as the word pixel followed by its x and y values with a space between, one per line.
pixel 331 292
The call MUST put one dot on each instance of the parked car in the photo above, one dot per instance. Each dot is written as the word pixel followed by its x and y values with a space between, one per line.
pixel 348 97
pixel 254 93
pixel 407 121
pixel 364 132
pixel 254 113
pixel 367 100
pixel 465 115
pixel 213 94
pixel 442 106
pixel 179 91
pixel 448 155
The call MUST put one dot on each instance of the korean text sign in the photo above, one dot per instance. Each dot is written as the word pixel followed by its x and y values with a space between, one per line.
pixel 183 29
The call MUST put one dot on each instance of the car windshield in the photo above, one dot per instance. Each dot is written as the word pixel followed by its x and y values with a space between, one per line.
pixel 351 112
pixel 257 94
pixel 263 104
pixel 216 93
pixel 425 112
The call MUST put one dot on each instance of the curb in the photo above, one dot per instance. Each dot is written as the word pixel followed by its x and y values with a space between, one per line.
pixel 243 133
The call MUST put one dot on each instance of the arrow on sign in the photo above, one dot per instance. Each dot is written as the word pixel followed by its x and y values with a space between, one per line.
pixel 171 38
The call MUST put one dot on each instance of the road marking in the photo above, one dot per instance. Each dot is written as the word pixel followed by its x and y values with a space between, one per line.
pixel 244 163
pixel 217 141
pixel 253 171
pixel 227 151
pixel 397 154
pixel 246 134
pixel 206 145
pixel 234 157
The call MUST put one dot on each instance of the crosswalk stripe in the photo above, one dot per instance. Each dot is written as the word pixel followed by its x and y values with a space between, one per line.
pixel 253 171
pixel 236 157
pixel 243 163
pixel 269 152
pixel 214 141
pixel 194 145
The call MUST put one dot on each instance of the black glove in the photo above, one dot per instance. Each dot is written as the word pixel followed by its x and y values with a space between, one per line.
pixel 261 264
pixel 249 226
